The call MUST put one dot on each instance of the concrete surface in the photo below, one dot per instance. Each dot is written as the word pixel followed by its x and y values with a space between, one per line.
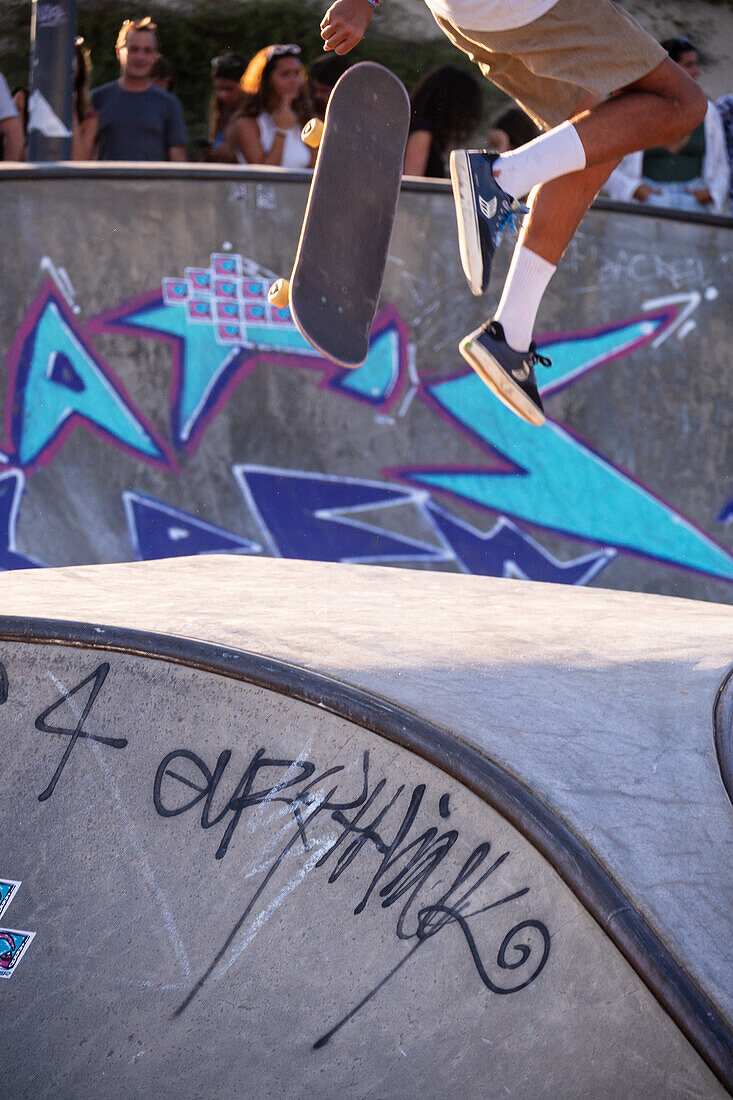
pixel 133 429
pixel 195 928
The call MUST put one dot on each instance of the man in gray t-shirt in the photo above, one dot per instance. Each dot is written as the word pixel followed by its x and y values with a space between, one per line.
pixel 137 120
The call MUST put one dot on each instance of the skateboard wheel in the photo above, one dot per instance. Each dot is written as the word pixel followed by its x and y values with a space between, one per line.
pixel 312 132
pixel 279 293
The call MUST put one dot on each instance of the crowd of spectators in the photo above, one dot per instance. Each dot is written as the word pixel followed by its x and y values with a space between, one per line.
pixel 258 106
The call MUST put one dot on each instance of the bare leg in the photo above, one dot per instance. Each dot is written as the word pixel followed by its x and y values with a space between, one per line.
pixel 664 106
pixel 557 208
pixel 499 352
pixel 568 166
pixel 655 110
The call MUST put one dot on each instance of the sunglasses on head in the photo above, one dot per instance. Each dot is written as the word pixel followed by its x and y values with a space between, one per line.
pixel 229 65
pixel 283 51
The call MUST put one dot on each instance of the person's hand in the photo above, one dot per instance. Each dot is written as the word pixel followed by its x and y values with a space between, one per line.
pixel 701 195
pixel 644 192
pixel 344 24
pixel 284 117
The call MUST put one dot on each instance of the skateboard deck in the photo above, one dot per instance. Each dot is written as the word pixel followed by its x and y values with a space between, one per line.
pixel 339 267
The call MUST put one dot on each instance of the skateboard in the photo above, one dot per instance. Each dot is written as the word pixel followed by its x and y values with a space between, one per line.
pixel 342 253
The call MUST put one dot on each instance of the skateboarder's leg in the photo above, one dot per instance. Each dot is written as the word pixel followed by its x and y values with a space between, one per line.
pixel 577 50
pixel 651 100
pixel 654 107
pixel 502 351
pixel 657 109
pixel 504 347
pixel 556 209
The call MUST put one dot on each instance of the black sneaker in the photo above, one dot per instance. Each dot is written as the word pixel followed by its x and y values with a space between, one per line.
pixel 483 211
pixel 509 374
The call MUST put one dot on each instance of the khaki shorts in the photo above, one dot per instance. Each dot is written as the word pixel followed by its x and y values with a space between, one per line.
pixel 576 49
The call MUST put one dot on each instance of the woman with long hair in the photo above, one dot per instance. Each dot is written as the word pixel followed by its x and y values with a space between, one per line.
pixel 446 110
pixel 266 127
pixel 85 121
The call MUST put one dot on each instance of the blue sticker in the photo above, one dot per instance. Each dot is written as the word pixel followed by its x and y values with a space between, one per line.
pixel 8 890
pixel 13 945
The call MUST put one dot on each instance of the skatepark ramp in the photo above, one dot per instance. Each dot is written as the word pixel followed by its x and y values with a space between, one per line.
pixel 155 405
pixel 303 829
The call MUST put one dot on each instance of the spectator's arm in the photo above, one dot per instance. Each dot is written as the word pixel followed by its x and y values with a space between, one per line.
pixel 84 137
pixel 220 154
pixel 716 169
pixel 417 152
pixel 13 138
pixel 244 135
pixel 178 153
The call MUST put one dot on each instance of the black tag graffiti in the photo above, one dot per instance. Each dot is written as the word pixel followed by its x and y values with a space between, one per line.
pixel 77 732
pixel 371 822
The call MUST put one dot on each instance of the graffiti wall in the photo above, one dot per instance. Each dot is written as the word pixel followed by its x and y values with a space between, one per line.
pixel 156 405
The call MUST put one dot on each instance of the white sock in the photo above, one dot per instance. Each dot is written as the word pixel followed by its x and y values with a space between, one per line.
pixel 546 157
pixel 525 285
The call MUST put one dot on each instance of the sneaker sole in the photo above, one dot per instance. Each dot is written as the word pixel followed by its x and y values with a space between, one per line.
pixel 498 381
pixel 469 243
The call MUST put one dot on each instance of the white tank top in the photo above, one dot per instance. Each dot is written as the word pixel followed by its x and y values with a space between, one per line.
pixel 490 15
pixel 295 153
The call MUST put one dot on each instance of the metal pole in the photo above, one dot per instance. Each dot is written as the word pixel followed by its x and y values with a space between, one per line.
pixel 51 82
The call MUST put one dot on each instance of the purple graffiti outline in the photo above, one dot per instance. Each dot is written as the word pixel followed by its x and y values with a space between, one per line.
pixel 387 318
pixel 666 315
pixel 725 515
pixel 18 377
pixel 15 474
pixel 505 466
pixel 342 514
pixel 244 361
pixel 597 560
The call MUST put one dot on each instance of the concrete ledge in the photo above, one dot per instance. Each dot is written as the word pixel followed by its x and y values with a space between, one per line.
pixel 252 173
pixel 313 637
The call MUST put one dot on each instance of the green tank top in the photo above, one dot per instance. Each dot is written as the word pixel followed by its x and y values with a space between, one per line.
pixel 664 167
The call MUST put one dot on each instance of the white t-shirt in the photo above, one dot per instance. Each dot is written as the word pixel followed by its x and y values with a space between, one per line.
pixel 7 107
pixel 490 15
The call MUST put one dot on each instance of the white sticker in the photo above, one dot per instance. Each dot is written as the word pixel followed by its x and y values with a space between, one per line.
pixel 41 116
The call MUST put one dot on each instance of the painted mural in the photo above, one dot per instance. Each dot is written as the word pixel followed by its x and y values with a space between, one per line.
pixel 217 325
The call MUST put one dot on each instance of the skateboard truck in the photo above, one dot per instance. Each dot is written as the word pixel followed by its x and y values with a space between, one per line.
pixel 279 293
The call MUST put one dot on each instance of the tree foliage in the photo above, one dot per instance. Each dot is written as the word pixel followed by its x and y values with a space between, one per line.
pixel 192 34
